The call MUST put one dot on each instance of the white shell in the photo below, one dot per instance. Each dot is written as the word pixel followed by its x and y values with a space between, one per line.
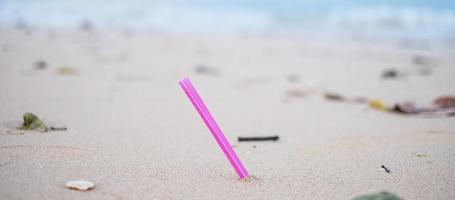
pixel 80 185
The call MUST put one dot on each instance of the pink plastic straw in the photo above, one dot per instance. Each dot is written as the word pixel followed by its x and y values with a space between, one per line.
pixel 213 127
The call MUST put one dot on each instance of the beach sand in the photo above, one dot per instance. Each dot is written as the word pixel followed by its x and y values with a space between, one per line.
pixel 133 132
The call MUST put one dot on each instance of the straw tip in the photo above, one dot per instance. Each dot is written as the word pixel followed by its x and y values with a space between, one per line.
pixel 184 79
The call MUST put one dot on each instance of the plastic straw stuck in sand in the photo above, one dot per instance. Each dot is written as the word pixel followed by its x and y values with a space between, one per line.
pixel 213 127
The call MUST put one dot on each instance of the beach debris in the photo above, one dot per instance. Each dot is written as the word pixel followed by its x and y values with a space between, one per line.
pixel 420 154
pixel 445 102
pixel 333 97
pixel 390 74
pixel 406 108
pixel 66 71
pixel 385 169
pixel 340 98
pixel 384 195
pixel 211 124
pixel 377 104
pixel 259 138
pixel 81 185
pixel 40 64
pixel 442 107
pixel 32 122
pixel 58 128
pixel 204 69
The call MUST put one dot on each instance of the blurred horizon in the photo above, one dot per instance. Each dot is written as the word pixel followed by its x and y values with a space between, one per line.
pixel 408 19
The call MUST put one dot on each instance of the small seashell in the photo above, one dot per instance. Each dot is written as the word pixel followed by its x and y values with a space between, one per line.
pixel 80 185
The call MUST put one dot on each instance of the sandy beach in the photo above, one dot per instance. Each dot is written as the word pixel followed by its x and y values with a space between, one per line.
pixel 133 132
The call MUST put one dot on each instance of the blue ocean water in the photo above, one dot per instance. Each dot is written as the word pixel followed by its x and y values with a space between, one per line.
pixel 417 19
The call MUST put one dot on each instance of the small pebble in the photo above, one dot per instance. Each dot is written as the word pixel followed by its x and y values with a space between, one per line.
pixel 390 74
pixel 254 146
pixel 420 154
pixel 80 185
pixel 40 64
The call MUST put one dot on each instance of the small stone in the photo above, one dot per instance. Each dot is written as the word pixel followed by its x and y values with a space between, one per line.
pixel 420 154
pixel 254 146
pixel 80 185
pixel 40 64
pixel 248 152
pixel 390 74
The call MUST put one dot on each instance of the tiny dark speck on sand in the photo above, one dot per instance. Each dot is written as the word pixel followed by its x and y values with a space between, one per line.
pixel 385 168
pixel 390 74
pixel 40 64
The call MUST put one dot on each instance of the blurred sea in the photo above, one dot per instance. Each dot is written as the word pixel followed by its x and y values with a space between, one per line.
pixel 395 19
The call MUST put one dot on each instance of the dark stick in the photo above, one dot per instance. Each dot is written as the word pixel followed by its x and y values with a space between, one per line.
pixel 385 168
pixel 266 138
pixel 57 128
